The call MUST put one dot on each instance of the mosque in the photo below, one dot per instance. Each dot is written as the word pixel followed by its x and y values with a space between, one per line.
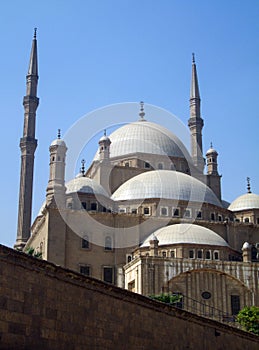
pixel 146 215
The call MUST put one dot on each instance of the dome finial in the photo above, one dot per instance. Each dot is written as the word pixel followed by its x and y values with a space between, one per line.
pixel 211 146
pixel 104 132
pixel 35 33
pixel 59 133
pixel 83 167
pixel 141 112
pixel 248 185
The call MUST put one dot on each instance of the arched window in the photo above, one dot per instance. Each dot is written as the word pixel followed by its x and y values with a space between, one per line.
pixel 216 255
pixel 164 211
pixel 207 256
pixel 176 212
pixel 212 216
pixel 146 211
pixel 191 254
pixel 199 254
pixel 85 242
pixel 93 206
pixel 108 243
pixel 160 166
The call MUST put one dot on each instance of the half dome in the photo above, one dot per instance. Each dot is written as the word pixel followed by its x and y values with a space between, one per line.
pixel 82 184
pixel 145 137
pixel 245 202
pixel 165 184
pixel 186 234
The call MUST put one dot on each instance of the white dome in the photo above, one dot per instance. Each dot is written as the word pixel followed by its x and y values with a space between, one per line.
pixel 85 185
pixel 246 245
pixel 244 202
pixel 165 184
pixel 211 151
pixel 145 137
pixel 58 142
pixel 186 234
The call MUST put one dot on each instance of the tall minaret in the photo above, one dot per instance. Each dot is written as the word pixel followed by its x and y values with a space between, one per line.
pixel 195 122
pixel 28 145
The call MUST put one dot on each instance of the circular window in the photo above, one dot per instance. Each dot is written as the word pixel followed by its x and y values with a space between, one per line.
pixel 206 295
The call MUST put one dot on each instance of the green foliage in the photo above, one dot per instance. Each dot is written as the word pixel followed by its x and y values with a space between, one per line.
pixel 31 251
pixel 167 298
pixel 248 317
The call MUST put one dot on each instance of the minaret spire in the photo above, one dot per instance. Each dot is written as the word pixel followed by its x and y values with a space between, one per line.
pixel 28 145
pixel 195 122
pixel 248 185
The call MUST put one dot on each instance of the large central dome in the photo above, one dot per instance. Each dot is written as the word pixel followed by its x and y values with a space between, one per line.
pixel 145 137
pixel 165 184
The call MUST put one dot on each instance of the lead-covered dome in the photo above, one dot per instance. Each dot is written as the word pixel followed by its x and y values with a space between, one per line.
pixel 245 202
pixel 82 184
pixel 186 234
pixel 165 184
pixel 145 137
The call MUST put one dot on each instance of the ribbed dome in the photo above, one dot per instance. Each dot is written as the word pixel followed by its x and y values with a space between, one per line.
pixel 165 184
pixel 186 234
pixel 144 137
pixel 83 184
pixel 244 202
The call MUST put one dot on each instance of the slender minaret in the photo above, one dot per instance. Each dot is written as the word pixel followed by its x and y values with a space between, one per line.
pixel 195 122
pixel 212 161
pixel 28 145
pixel 56 186
pixel 104 147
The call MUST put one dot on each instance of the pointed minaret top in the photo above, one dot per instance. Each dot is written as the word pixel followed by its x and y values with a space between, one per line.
pixel 248 185
pixel 194 84
pixel 33 65
pixel 141 112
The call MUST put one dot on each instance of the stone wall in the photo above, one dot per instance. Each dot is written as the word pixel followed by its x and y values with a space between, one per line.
pixel 44 306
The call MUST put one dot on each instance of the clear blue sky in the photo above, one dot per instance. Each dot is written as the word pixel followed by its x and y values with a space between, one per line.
pixel 96 53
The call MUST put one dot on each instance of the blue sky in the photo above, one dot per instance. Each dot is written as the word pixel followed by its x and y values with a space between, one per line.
pixel 97 53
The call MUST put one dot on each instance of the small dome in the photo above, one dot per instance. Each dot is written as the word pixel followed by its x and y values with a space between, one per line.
pixel 83 184
pixel 211 151
pixel 186 234
pixel 245 202
pixel 165 184
pixel 246 245
pixel 58 142
pixel 144 137
pixel 105 138
pixel 153 237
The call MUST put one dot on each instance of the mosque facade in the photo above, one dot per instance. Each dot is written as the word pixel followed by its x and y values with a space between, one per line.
pixel 146 215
